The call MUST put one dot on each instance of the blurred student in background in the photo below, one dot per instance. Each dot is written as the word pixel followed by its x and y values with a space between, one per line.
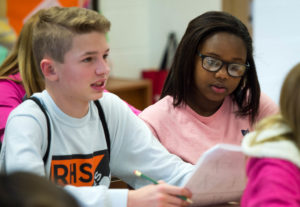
pixel 212 94
pixel 273 169
pixel 19 74
pixel 23 189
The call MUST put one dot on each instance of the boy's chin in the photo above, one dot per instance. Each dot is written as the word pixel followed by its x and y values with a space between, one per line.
pixel 96 97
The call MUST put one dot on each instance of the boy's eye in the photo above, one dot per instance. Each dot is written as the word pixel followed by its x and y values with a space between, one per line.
pixel 105 56
pixel 88 59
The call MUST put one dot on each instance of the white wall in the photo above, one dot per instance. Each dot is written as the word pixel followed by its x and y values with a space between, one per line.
pixel 140 28
pixel 276 35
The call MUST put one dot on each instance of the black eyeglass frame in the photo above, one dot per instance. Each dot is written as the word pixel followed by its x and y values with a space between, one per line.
pixel 247 66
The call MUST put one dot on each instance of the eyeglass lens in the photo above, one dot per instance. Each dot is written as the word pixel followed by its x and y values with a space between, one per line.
pixel 213 65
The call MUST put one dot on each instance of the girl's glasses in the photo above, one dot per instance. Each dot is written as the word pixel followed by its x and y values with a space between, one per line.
pixel 213 65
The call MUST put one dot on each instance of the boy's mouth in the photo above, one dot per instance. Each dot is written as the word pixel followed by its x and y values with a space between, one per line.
pixel 97 84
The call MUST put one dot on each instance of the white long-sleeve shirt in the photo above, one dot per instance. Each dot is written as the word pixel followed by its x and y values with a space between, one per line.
pixel 78 147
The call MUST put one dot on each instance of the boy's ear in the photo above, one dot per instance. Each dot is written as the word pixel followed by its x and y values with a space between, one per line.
pixel 48 69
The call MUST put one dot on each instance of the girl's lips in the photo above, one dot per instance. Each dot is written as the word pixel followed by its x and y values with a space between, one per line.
pixel 218 89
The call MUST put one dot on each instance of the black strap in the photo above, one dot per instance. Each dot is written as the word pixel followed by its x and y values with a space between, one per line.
pixel 104 125
pixel 101 115
pixel 37 101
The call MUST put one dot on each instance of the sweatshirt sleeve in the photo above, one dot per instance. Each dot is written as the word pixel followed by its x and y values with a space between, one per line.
pixel 134 147
pixel 22 148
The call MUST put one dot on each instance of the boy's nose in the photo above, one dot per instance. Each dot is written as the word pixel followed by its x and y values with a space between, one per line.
pixel 102 68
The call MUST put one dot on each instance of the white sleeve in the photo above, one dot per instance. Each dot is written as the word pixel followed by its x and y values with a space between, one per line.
pixel 98 196
pixel 134 147
pixel 22 147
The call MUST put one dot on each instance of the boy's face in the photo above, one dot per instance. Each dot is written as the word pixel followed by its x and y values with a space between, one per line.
pixel 83 75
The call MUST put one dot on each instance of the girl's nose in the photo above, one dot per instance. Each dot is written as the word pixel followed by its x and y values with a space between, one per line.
pixel 222 73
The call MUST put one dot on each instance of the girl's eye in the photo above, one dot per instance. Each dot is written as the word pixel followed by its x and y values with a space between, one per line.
pixel 212 62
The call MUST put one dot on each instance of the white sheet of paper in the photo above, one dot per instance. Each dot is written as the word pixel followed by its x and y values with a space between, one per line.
pixel 219 177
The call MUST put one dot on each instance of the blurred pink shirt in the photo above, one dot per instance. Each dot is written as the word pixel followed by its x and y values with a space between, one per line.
pixel 272 183
pixel 12 94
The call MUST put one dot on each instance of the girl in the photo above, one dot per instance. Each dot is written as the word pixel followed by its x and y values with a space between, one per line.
pixel 274 167
pixel 211 94
pixel 20 62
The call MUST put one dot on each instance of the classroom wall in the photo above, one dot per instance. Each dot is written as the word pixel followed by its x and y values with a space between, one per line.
pixel 140 28
pixel 276 36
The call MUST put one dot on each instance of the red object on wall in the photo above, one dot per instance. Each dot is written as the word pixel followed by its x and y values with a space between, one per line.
pixel 157 77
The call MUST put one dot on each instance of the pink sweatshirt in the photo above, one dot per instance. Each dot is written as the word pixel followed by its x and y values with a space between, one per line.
pixel 272 183
pixel 11 96
pixel 185 133
pixel 273 169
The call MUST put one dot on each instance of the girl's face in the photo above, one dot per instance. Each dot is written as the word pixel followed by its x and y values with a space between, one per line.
pixel 215 86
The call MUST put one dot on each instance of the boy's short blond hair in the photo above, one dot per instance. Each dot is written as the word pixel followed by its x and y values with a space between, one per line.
pixel 54 32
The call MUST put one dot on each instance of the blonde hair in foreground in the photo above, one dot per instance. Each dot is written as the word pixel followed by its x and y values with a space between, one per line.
pixel 289 106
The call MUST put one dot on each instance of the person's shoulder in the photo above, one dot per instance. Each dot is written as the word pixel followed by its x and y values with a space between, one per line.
pixel 112 104
pixel 267 101
pixel 27 108
pixel 110 99
pixel 267 106
pixel 163 105
pixel 7 83
pixel 16 76
pixel 272 169
pixel 106 96
pixel 265 98
pixel 261 162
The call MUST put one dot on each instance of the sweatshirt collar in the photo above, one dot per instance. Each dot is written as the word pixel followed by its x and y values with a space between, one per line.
pixel 272 143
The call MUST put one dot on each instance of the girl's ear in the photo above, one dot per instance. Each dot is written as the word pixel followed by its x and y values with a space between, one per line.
pixel 48 69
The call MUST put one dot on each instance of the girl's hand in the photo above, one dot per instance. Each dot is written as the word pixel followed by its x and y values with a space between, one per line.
pixel 158 195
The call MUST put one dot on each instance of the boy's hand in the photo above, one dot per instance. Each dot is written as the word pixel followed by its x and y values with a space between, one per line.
pixel 158 195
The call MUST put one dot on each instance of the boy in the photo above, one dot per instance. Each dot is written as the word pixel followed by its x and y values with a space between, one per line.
pixel 70 47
